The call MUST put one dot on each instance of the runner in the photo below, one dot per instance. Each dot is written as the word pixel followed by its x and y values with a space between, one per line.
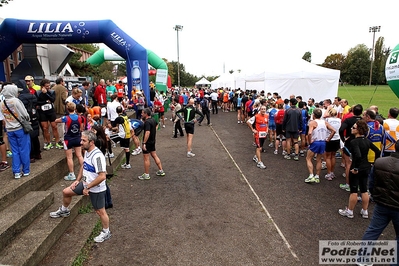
pixel 259 127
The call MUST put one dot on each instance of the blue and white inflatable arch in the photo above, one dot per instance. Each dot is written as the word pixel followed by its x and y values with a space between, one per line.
pixel 14 32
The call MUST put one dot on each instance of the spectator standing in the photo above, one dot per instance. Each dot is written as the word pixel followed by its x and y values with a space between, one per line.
pixel 30 84
pixel 30 102
pixel 19 140
pixel 359 169
pixel 386 196
pixel 61 94
pixel 100 94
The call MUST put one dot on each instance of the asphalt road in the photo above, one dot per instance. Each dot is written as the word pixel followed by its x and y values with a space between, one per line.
pixel 218 208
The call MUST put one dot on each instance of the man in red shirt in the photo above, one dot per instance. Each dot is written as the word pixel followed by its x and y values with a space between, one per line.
pixel 259 125
pixel 120 90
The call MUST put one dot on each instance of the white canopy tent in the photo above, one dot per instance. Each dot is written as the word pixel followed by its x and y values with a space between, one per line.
pixel 225 80
pixel 203 81
pixel 297 77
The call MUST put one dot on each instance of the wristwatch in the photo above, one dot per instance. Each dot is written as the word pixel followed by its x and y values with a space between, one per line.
pixel 85 186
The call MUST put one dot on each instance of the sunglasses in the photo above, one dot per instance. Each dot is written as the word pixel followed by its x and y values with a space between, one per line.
pixel 354 127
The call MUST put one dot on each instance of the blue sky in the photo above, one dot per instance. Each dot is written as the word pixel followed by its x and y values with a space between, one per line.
pixel 220 36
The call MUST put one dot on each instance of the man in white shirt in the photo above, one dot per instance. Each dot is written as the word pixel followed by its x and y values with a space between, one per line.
pixel 111 109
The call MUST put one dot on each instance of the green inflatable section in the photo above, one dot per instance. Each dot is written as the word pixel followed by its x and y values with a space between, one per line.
pixel 153 60
pixel 392 70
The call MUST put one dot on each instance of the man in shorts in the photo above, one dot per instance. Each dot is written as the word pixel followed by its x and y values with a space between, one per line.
pixel 89 182
pixel 317 138
pixel 259 127
pixel 189 120
pixel 122 129
pixel 292 126
pixel 148 145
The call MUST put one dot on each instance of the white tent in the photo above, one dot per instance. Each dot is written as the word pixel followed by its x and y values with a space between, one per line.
pixel 226 80
pixel 296 77
pixel 203 81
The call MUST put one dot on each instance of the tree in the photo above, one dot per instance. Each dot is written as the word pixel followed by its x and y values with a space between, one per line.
pixel 334 61
pixel 380 58
pixel 307 57
pixel 356 69
pixel 231 71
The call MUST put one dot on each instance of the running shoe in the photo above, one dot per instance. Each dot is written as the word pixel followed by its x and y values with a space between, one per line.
pixel 323 165
pixel 48 146
pixel 17 175
pixel 60 213
pixel 190 154
pixel 288 157
pixel 136 151
pixel 70 177
pixel 255 159
pixel 59 146
pixel 345 187
pixel 296 158
pixel 284 153
pixel 102 237
pixel 4 166
pixel 364 214
pixel 275 152
pixel 301 153
pixel 144 177
pixel 345 213
pixel 261 165
pixel 271 145
pixel 310 179
pixel 126 166
pixel 328 177
pixel 160 173
pixel 111 155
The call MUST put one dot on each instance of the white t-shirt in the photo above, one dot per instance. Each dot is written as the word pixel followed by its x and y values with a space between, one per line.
pixel 94 163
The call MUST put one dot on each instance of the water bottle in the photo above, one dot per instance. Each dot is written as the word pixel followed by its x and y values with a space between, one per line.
pixel 136 75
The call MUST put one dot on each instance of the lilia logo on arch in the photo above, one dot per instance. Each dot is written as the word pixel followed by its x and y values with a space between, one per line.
pixel 50 27
pixel 118 39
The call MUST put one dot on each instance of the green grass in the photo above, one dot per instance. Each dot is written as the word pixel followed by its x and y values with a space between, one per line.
pixel 84 253
pixel 380 95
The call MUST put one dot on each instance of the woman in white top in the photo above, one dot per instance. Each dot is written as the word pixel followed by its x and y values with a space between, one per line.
pixel 334 144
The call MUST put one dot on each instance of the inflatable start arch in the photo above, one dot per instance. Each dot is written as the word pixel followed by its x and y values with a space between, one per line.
pixel 14 32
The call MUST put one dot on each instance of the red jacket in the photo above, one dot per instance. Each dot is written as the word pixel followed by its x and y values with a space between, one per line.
pixel 100 95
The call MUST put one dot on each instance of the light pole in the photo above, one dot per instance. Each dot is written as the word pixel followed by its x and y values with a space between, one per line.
pixel 178 28
pixel 373 29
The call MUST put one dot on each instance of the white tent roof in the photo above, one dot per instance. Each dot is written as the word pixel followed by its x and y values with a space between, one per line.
pixel 297 77
pixel 202 81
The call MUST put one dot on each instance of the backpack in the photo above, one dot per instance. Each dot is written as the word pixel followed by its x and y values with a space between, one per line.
pixel 91 91
pixel 204 104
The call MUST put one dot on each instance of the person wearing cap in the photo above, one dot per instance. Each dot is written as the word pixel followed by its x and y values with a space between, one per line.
pixel 30 84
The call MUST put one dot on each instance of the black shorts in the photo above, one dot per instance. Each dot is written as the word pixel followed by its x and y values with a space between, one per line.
pixel 189 127
pixel 292 134
pixel 333 145
pixel 124 143
pixel 137 131
pixel 47 116
pixel 358 181
pixel 259 142
pixel 148 148
pixel 279 130
pixel 160 114
pixel 97 199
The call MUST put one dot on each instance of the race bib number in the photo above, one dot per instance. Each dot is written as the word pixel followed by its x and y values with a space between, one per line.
pixel 47 106
pixel 262 134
